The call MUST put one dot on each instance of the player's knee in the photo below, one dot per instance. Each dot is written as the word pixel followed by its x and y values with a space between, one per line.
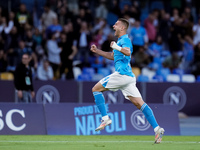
pixel 138 102
pixel 94 89
pixel 135 103
pixel 98 88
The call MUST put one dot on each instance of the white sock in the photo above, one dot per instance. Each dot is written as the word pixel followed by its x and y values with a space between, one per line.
pixel 156 128
pixel 105 117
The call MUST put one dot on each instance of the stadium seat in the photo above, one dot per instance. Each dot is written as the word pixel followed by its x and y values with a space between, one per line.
pixel 97 77
pixel 84 77
pixel 153 65
pixel 173 78
pixel 178 71
pixel 198 79
pixel 136 71
pixel 189 78
pixel 89 71
pixel 164 72
pixel 157 78
pixel 142 78
pixel 11 68
pixel 149 73
pixel 6 76
pixel 77 71
pixel 76 63
pixel 103 71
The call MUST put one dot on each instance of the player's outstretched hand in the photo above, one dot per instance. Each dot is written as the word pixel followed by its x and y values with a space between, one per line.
pixel 93 48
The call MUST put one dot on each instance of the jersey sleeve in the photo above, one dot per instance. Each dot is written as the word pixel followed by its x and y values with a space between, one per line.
pixel 126 43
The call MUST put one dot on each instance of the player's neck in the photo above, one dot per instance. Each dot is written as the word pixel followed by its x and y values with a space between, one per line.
pixel 121 34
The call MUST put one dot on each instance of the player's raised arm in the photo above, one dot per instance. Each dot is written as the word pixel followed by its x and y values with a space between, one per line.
pixel 108 55
pixel 124 50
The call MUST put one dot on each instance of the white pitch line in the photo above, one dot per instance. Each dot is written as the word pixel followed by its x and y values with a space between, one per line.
pixel 179 142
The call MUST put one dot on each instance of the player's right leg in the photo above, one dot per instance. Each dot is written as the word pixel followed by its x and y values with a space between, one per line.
pixel 100 102
pixel 112 82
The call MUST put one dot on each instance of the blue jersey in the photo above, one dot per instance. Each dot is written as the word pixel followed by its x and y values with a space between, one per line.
pixel 122 62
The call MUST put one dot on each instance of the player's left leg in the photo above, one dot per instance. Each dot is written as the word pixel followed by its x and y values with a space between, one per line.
pixel 132 93
pixel 148 113
pixel 100 102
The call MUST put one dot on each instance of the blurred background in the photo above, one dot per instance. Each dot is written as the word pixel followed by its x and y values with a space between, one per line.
pixel 165 36
pixel 57 34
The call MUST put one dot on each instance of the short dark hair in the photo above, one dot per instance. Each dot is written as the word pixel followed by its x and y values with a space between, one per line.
pixel 125 22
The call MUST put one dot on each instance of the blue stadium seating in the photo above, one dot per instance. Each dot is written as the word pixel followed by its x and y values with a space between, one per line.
pixel 158 78
pixel 164 72
pixel 97 77
pixel 173 78
pixel 142 78
pixel 89 71
pixel 103 71
pixel 198 79
pixel 189 78
pixel 84 77
pixel 178 71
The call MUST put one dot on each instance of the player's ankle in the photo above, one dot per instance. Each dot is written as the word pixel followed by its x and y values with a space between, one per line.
pixel 105 117
pixel 156 128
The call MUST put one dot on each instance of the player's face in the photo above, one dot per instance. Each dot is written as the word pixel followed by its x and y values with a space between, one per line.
pixel 117 27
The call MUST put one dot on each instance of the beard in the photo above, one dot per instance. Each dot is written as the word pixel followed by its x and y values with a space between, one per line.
pixel 116 33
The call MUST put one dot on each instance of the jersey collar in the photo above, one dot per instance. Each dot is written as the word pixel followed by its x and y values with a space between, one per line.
pixel 123 36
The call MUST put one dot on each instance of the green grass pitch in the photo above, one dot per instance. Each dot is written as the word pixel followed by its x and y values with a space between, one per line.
pixel 61 142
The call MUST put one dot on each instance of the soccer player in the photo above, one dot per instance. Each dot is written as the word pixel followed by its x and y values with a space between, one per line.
pixel 123 79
